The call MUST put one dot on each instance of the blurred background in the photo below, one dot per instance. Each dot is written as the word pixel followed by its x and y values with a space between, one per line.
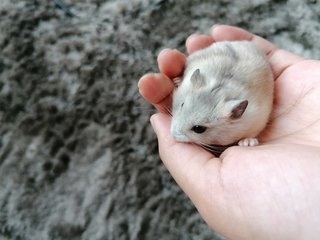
pixel 78 158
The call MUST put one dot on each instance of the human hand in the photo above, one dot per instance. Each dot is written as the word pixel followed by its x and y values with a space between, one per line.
pixel 270 191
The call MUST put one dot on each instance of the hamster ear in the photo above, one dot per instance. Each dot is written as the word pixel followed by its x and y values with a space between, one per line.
pixel 238 108
pixel 197 79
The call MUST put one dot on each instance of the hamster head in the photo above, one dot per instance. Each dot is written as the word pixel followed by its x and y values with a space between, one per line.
pixel 206 114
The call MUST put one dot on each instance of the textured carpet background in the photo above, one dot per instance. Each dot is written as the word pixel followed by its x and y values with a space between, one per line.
pixel 78 159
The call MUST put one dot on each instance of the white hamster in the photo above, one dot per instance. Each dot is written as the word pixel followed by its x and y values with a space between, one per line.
pixel 225 97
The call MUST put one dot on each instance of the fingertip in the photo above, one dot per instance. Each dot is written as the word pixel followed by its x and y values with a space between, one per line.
pixel 191 38
pixel 216 29
pixel 171 62
pixel 159 117
pixel 229 33
pixel 143 79
pixel 156 88
pixel 160 123
pixel 143 84
pixel 196 42
pixel 215 26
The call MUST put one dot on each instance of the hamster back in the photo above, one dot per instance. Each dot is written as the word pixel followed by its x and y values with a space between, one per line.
pixel 225 96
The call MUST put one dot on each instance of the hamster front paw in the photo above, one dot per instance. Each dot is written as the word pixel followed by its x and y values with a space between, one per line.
pixel 248 142
pixel 177 81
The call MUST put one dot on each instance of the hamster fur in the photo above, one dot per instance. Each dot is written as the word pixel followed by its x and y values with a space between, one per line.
pixel 225 96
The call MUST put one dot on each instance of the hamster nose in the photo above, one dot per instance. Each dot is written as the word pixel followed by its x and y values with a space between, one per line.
pixel 178 136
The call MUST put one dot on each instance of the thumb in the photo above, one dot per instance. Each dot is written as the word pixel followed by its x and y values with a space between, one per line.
pixel 188 164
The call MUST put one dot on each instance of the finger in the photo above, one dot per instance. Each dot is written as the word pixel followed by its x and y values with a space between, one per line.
pixel 157 89
pixel 230 33
pixel 195 42
pixel 187 163
pixel 279 59
pixel 171 62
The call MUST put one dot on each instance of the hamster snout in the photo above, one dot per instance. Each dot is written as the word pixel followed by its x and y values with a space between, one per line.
pixel 225 96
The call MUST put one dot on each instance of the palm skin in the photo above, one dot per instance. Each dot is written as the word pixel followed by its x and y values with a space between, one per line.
pixel 271 191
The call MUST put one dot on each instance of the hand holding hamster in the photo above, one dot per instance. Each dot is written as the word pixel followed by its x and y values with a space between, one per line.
pixel 225 96
pixel 265 192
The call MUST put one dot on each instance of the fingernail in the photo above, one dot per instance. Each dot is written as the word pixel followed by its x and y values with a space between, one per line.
pixel 152 122
pixel 164 50
pixel 192 36
pixel 176 50
pixel 215 26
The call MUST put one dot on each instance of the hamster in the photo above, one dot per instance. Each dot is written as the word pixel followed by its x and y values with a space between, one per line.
pixel 225 96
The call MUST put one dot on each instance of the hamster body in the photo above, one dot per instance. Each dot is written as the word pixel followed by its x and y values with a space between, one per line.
pixel 225 96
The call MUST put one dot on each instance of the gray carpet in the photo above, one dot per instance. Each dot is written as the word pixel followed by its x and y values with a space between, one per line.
pixel 78 158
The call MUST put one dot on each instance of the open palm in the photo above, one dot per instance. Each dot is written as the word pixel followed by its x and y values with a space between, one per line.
pixel 271 191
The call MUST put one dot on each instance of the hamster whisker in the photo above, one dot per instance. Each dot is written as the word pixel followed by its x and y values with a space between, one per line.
pixel 215 149
pixel 167 110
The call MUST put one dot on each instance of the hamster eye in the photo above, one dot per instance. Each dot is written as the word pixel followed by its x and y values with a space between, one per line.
pixel 198 129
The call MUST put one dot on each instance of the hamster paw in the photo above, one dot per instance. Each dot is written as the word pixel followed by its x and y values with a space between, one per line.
pixel 248 142
pixel 177 81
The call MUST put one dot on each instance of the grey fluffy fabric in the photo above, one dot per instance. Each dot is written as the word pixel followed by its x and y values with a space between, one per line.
pixel 78 158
